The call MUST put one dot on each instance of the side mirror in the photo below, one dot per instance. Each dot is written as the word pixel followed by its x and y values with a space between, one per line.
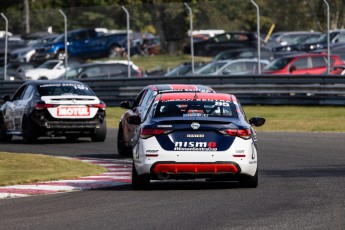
pixel 257 121
pixel 6 98
pixel 134 120
pixel 292 69
pixel 125 105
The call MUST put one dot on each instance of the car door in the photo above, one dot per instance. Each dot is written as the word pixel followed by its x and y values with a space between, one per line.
pixel 135 109
pixel 15 108
pixel 318 65
pixel 299 66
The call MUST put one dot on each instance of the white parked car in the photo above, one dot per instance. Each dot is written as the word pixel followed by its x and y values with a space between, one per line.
pixel 49 70
pixel 232 67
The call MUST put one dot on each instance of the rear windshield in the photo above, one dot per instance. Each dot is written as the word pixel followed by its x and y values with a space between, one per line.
pixel 195 108
pixel 64 89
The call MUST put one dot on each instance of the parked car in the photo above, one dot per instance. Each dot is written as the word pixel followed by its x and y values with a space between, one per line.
pixel 221 42
pixel 106 69
pixel 83 43
pixel 12 43
pixel 184 69
pixel 265 54
pixel 286 38
pixel 232 67
pixel 49 70
pixel 140 106
pixel 337 37
pixel 296 45
pixel 195 135
pixel 53 108
pixel 15 71
pixel 25 54
pixel 308 63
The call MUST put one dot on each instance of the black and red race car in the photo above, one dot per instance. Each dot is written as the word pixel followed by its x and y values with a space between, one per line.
pixel 53 108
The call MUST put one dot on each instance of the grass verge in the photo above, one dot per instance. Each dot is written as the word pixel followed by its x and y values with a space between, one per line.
pixel 164 62
pixel 29 168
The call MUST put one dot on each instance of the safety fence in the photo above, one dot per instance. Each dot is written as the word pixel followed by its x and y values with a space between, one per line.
pixel 251 90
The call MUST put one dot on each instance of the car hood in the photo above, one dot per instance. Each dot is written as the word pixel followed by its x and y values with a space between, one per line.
pixel 22 50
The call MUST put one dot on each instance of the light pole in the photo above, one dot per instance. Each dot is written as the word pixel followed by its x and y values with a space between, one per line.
pixel 66 51
pixel 328 40
pixel 191 35
pixel 6 34
pixel 128 42
pixel 258 34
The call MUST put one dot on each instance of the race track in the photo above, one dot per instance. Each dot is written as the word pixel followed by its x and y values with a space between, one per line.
pixel 301 186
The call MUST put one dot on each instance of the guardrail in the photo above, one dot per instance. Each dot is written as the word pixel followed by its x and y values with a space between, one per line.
pixel 263 89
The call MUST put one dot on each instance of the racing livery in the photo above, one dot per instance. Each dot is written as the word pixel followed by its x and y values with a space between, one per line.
pixel 140 106
pixel 53 108
pixel 195 135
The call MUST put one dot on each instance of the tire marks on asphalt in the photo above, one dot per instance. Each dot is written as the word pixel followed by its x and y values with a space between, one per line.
pixel 119 173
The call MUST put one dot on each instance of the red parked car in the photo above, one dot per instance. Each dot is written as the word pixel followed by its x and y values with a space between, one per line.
pixel 308 63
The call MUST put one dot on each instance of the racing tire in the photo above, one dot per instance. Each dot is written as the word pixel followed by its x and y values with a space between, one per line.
pixel 30 131
pixel 100 133
pixel 139 182
pixel 249 181
pixel 122 149
pixel 3 136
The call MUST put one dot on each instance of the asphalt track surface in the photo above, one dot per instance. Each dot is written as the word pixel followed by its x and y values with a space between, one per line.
pixel 301 186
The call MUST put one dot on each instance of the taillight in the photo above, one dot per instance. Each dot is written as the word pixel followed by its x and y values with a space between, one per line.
pixel 242 133
pixel 42 105
pixel 146 132
pixel 101 105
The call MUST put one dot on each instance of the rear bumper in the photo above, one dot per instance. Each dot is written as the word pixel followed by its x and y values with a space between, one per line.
pixel 197 167
pixel 72 125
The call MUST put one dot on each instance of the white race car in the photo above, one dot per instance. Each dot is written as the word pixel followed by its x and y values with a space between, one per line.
pixel 195 135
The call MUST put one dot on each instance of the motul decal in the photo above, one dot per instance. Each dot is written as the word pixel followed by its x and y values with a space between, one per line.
pixel 195 146
pixel 73 111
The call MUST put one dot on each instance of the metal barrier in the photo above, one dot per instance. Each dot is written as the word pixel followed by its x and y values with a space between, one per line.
pixel 263 89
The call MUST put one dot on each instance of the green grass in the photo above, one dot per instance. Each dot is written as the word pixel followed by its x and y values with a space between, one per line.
pixel 163 62
pixel 280 118
pixel 29 168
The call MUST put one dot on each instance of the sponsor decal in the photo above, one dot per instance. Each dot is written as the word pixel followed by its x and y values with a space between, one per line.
pixel 76 111
pixel 195 146
pixel 152 151
pixel 74 85
pixel 195 125
pixel 196 135
pixel 164 126
pixel 252 162
pixel 239 151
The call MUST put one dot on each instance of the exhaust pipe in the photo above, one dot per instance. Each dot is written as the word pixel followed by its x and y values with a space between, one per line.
pixel 163 176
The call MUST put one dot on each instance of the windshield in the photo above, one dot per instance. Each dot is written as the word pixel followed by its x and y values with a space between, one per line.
pixel 61 38
pixel 64 88
pixel 49 65
pixel 278 64
pixel 195 108
pixel 211 68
